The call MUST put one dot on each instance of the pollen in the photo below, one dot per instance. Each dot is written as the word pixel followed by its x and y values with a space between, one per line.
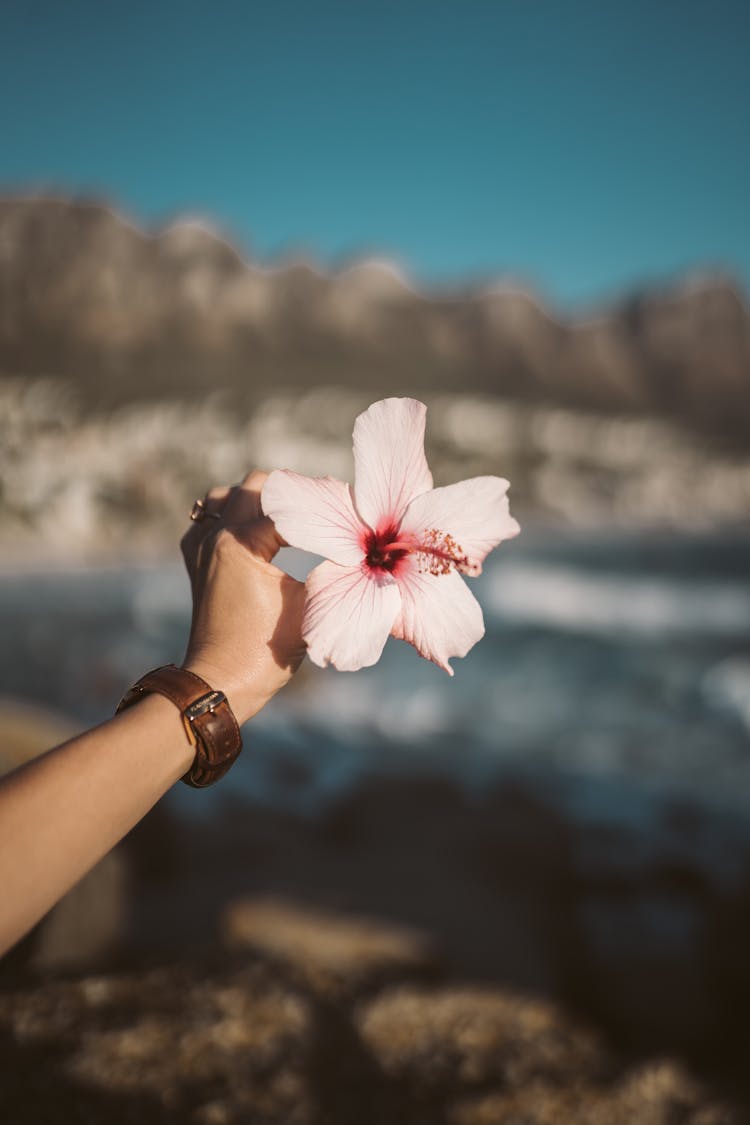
pixel 439 553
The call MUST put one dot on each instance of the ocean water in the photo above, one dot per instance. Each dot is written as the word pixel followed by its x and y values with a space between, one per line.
pixel 612 665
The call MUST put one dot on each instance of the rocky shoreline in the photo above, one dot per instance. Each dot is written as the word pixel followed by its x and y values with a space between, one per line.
pixel 412 956
pixel 228 1039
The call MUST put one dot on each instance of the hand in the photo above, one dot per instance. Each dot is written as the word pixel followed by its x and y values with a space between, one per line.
pixel 245 637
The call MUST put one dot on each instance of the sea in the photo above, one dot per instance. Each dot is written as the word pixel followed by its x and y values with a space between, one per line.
pixel 614 676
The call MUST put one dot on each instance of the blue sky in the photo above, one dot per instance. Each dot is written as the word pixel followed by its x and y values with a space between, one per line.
pixel 580 147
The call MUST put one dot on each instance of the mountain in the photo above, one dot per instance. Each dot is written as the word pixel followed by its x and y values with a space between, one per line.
pixel 128 315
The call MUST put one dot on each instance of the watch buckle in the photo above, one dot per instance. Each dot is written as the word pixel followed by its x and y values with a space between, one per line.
pixel 204 705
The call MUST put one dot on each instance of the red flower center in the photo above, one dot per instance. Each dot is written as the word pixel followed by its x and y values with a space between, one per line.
pixel 382 549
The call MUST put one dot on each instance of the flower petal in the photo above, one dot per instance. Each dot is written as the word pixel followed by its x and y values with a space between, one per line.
pixel 315 514
pixel 390 467
pixel 348 615
pixel 439 615
pixel 473 512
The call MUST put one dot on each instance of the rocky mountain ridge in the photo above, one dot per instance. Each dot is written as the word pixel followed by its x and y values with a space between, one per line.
pixel 128 315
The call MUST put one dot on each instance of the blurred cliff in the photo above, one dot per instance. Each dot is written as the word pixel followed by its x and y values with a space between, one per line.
pixel 135 369
pixel 129 315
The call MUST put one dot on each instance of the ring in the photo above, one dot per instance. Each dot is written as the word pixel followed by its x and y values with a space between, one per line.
pixel 198 512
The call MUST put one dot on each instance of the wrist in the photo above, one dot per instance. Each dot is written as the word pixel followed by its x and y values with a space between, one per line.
pixel 210 724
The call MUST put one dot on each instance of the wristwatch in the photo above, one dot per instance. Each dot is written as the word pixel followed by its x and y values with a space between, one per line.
pixel 208 719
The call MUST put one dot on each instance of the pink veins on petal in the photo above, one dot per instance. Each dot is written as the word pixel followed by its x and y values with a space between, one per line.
pixel 396 545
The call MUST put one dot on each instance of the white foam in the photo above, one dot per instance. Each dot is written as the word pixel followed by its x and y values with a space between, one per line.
pixel 727 685
pixel 577 601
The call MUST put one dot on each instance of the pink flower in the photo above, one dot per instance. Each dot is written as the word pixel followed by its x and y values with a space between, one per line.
pixel 396 546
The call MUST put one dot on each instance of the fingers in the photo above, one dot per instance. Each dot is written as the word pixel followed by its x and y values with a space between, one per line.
pixel 212 504
pixel 216 499
pixel 243 503
pixel 260 537
pixel 240 511
pixel 244 515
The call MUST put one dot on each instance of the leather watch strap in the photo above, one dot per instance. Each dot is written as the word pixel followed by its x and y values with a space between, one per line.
pixel 208 719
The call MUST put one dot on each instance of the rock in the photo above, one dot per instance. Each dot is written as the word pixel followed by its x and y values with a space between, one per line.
pixel 660 1093
pixel 175 1044
pixel 225 1041
pixel 445 1041
pixel 331 953
pixel 28 730
pixel 89 922
pixel 487 1057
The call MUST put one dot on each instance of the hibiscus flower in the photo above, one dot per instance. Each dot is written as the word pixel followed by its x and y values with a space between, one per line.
pixel 396 548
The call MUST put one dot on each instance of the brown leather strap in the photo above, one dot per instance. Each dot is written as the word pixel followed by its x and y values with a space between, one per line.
pixel 209 722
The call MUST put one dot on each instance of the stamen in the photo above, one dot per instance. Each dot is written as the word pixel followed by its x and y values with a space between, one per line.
pixel 439 552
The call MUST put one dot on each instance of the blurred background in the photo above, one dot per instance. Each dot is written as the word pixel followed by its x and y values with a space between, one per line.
pixel 224 231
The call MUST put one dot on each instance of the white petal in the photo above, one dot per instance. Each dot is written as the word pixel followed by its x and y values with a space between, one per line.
pixel 348 615
pixel 315 514
pixel 389 460
pixel 473 512
pixel 439 615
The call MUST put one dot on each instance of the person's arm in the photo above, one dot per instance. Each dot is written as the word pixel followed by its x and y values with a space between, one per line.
pixel 64 811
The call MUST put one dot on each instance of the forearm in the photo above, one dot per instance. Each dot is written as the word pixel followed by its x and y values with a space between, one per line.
pixel 64 811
